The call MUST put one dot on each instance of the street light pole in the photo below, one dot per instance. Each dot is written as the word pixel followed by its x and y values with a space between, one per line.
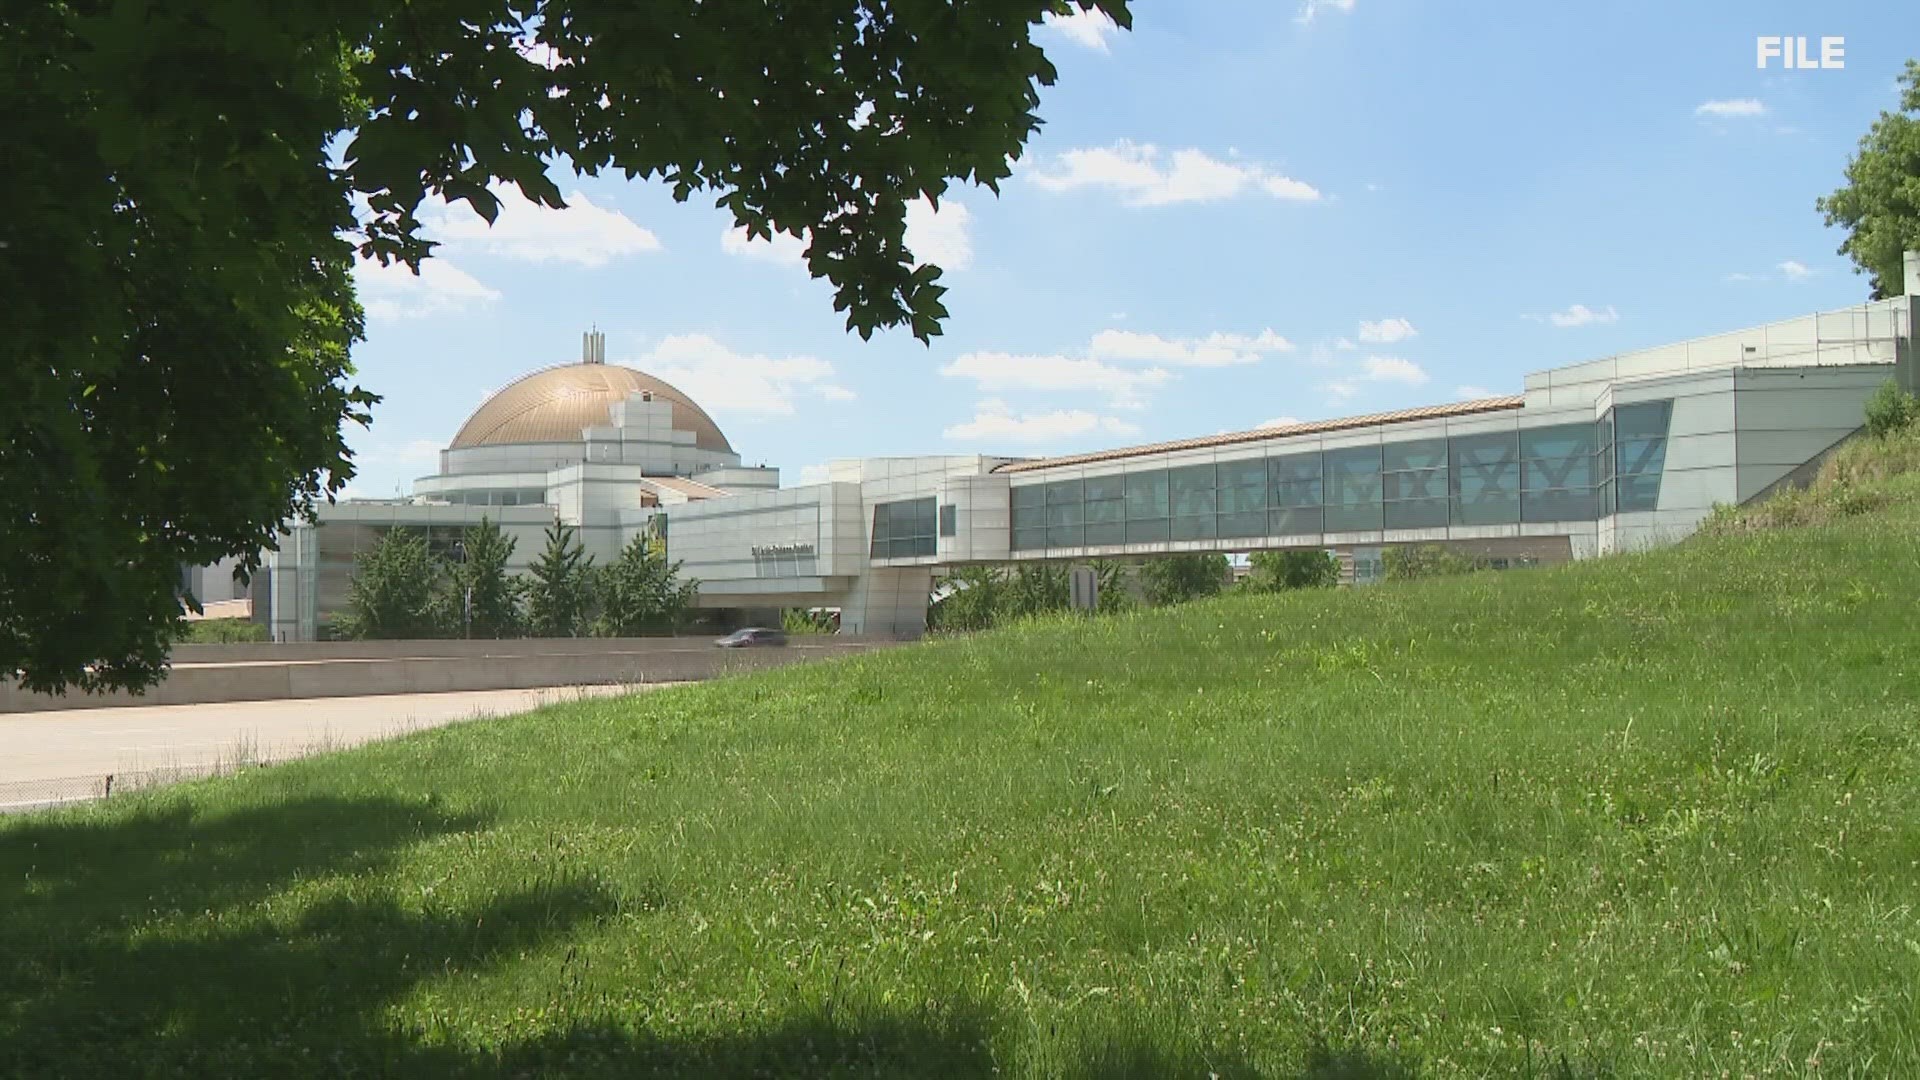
pixel 459 553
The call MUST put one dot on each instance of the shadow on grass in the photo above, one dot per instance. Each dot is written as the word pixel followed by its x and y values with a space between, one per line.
pixel 265 940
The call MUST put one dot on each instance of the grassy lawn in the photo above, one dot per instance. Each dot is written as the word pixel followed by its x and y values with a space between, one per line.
pixel 1649 815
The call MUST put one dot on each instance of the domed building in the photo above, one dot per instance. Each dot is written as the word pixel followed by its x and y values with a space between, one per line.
pixel 599 443
pixel 602 448
pixel 1616 453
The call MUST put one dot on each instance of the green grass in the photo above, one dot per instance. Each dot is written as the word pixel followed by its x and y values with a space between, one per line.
pixel 1649 815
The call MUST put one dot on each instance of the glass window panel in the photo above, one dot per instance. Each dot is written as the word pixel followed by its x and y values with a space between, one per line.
pixel 1147 495
pixel 1486 479
pixel 1190 490
pixel 1065 491
pixel 1029 495
pixel 949 520
pixel 1645 420
pixel 1195 527
pixel 1417 514
pixel 1297 520
pixel 1065 514
pixel 1106 487
pixel 1415 471
pixel 1557 473
pixel 1244 523
pixel 1353 489
pixel 1642 463
pixel 1029 517
pixel 1295 481
pixel 1114 532
pixel 1243 490
pixel 1063 536
pixel 1109 510
pixel 1241 474
pixel 1148 531
pixel 1029 539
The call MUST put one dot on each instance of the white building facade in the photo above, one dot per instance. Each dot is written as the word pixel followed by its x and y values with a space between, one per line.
pixel 1611 455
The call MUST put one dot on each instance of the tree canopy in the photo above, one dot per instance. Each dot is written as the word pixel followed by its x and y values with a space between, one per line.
pixel 1880 204
pixel 189 181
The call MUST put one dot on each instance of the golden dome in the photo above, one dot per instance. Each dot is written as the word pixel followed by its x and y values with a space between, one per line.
pixel 553 405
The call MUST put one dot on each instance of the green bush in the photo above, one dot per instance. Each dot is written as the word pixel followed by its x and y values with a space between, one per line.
pixel 394 589
pixel 801 621
pixel 1891 410
pixel 641 593
pixel 1175 579
pixel 1280 571
pixel 221 632
pixel 1425 561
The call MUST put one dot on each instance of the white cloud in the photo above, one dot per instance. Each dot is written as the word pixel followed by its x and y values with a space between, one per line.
pixel 1344 344
pixel 1392 369
pixel 1582 315
pixel 1376 369
pixel 1279 421
pixel 1123 388
pixel 1795 270
pixel 782 249
pixel 1473 393
pixel 419 452
pixel 1087 29
pixel 994 419
pixel 1386 331
pixel 939 236
pixel 723 380
pixel 1731 107
pixel 1309 9
pixel 1737 276
pixel 584 233
pixel 1144 176
pixel 1215 350
pixel 395 292
pixel 833 392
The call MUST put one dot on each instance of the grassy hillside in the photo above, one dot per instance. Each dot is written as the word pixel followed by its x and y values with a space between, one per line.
pixel 1650 815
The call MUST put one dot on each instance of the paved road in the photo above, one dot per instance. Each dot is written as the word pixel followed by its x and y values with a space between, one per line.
pixel 40 746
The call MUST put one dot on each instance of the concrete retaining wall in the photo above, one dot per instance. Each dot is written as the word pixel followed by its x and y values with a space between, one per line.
pixel 246 673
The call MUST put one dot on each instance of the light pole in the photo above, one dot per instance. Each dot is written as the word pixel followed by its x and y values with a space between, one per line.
pixel 459 553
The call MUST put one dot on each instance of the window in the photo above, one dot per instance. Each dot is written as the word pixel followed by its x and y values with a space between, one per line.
pixel 1486 479
pixel 950 520
pixel 1557 474
pixel 1242 497
pixel 1414 484
pixel 1106 515
pixel 1066 513
pixel 1147 518
pixel 1029 517
pixel 1190 495
pixel 904 530
pixel 1353 489
pixel 1294 494
pixel 1640 452
pixel 1567 472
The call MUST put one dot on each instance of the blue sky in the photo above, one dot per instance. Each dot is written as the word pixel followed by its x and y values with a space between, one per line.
pixel 1243 211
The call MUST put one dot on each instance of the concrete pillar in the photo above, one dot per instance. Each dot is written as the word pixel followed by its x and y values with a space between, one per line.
pixel 889 602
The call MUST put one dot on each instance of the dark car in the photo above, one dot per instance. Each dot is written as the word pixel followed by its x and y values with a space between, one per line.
pixel 753 637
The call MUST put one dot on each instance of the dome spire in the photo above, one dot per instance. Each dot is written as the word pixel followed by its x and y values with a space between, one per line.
pixel 593 346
